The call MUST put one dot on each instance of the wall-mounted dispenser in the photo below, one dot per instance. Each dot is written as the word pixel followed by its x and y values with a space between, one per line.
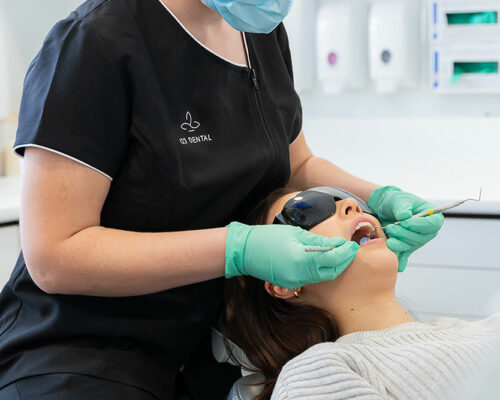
pixel 464 39
pixel 341 46
pixel 394 27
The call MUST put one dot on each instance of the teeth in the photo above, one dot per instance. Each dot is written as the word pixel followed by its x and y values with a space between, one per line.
pixel 361 224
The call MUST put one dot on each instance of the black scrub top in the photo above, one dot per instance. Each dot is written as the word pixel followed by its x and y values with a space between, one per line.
pixel 190 141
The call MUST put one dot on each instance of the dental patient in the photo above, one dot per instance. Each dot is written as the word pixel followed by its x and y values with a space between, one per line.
pixel 348 338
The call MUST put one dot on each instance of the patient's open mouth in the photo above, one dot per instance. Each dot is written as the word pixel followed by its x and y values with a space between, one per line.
pixel 364 232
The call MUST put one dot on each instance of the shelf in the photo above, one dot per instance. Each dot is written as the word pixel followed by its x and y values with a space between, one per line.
pixel 10 196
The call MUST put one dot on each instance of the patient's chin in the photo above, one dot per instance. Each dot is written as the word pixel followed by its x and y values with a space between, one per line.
pixel 378 257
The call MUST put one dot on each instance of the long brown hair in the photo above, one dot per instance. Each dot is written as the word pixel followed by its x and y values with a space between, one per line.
pixel 270 331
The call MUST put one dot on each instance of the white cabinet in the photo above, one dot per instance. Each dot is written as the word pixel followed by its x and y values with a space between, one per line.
pixel 457 274
pixel 10 246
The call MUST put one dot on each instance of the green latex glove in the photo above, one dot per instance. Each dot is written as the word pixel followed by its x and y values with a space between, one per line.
pixel 392 204
pixel 275 253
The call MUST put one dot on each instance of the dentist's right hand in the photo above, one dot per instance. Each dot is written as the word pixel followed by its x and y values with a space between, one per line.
pixel 276 254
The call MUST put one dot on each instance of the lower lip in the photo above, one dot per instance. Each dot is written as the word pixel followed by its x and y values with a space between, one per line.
pixel 378 240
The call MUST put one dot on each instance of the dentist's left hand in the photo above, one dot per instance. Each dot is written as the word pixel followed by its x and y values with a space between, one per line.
pixel 392 204
pixel 276 254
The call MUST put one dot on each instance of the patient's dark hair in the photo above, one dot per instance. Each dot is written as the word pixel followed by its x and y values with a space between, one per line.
pixel 270 331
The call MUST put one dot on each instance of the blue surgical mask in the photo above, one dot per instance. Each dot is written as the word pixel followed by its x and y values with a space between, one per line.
pixel 257 16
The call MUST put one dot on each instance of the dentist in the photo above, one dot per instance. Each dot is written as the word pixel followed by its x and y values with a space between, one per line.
pixel 148 129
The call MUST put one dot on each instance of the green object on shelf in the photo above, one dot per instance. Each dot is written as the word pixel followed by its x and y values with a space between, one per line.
pixel 461 68
pixel 472 18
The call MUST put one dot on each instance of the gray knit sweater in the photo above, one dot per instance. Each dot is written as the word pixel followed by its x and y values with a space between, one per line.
pixel 413 360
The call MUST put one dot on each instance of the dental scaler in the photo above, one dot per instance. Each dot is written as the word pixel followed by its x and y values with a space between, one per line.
pixel 419 215
pixel 435 210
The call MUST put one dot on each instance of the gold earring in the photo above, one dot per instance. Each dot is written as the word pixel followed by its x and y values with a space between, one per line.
pixel 297 294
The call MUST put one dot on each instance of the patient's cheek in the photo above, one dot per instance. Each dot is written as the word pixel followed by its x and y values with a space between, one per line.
pixel 332 228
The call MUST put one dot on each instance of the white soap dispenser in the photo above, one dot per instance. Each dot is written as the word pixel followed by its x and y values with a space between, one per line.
pixel 341 46
pixel 394 27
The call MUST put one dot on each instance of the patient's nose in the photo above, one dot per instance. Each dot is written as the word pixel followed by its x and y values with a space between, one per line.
pixel 349 208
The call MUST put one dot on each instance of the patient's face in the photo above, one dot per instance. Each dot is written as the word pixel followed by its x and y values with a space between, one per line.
pixel 373 272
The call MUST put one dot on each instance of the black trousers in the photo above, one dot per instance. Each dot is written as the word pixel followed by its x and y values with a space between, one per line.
pixel 71 387
pixel 67 386
pixel 202 379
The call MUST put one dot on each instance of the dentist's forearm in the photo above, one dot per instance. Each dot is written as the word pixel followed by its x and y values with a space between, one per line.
pixel 99 261
pixel 317 171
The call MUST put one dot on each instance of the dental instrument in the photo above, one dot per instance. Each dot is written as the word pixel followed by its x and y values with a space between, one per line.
pixel 317 248
pixel 435 210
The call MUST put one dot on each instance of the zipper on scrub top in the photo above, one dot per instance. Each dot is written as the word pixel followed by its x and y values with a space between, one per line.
pixel 254 78
pixel 253 75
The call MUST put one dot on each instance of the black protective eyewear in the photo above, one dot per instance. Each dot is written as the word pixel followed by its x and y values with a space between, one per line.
pixel 309 208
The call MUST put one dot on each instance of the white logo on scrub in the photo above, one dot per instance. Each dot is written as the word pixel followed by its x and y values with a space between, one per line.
pixel 191 126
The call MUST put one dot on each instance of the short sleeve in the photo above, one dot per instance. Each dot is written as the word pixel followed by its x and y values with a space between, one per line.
pixel 287 56
pixel 74 100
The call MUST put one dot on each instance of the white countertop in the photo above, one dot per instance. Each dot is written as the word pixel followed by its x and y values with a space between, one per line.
pixel 10 195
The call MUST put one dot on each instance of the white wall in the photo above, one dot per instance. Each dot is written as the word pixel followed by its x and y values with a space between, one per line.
pixel 443 160
pixel 27 24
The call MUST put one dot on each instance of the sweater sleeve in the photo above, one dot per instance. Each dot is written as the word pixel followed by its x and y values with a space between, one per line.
pixel 322 376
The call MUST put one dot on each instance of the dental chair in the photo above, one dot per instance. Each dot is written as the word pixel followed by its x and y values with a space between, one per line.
pixel 246 388
pixel 249 385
